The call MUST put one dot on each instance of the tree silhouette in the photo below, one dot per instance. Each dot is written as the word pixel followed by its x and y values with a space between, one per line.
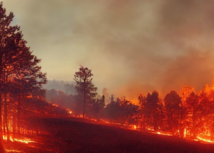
pixel 192 108
pixel 154 112
pixel 84 86
pixel 172 104
pixel 18 67
pixel 143 106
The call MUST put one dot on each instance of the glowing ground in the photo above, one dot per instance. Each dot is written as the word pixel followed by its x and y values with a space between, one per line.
pixel 63 135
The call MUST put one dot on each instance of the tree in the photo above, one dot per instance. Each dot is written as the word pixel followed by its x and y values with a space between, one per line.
pixel 154 108
pixel 18 67
pixel 84 85
pixel 143 105
pixel 193 109
pixel 97 106
pixel 1 147
pixel 172 104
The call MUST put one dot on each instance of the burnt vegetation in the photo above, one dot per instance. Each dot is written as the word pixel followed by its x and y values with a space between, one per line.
pixel 186 114
pixel 26 107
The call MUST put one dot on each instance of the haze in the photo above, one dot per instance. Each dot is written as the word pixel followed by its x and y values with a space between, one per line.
pixel 132 46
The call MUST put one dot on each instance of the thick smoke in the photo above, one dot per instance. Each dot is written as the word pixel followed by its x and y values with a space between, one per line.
pixel 132 47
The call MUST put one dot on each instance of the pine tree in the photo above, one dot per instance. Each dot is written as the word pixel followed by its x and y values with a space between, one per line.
pixel 84 85
pixel 18 67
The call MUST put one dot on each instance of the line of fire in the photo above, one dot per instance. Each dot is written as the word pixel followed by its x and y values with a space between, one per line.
pixel 187 114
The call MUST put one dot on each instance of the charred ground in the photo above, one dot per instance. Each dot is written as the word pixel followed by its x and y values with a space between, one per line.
pixel 64 135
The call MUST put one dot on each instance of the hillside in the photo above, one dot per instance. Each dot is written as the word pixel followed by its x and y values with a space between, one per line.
pixel 75 135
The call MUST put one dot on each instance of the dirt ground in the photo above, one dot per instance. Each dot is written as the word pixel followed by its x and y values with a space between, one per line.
pixel 67 135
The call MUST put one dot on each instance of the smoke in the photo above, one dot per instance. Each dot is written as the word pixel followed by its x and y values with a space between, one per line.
pixel 132 47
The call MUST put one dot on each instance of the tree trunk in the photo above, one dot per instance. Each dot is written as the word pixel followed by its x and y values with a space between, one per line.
pixel 193 120
pixel 1 147
pixel 18 115
pixel 84 101
pixel 1 83
pixel 1 118
pixel 14 123
pixel 5 112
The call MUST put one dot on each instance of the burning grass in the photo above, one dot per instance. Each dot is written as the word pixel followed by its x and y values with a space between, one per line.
pixel 81 135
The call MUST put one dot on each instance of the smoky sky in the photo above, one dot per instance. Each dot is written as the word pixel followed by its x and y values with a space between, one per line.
pixel 132 46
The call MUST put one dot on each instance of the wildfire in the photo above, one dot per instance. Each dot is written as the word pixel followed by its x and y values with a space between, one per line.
pixel 55 105
pixel 204 139
pixel 69 111
pixel 24 140
pixel 185 133
pixel 161 133
pixel 9 150
pixel 5 138
pixel 150 129
pixel 18 140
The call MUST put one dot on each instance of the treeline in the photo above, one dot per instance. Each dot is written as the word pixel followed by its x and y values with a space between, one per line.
pixel 66 87
pixel 185 114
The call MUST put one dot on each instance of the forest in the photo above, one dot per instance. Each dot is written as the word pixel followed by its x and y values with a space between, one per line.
pixel 26 94
pixel 187 114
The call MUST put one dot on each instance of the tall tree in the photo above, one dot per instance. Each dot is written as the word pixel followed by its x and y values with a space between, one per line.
pixel 16 62
pixel 154 109
pixel 84 85
pixel 172 104
pixel 193 109
pixel 143 106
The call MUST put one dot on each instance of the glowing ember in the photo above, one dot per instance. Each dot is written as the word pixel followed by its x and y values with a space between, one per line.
pixel 55 105
pixel 23 140
pixel 185 133
pixel 70 112
pixel 9 150
pixel 5 138
pixel 150 129
pixel 204 139
pixel 161 133
pixel 135 127
pixel 18 140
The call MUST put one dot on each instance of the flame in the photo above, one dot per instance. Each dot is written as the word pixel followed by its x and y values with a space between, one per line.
pixel 55 105
pixel 5 138
pixel 185 133
pixel 162 133
pixel 18 140
pixel 150 129
pixel 24 140
pixel 11 150
pixel 204 139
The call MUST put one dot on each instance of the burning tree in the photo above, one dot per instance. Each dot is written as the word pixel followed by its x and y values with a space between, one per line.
pixel 192 109
pixel 143 106
pixel 84 85
pixel 172 104
pixel 154 113
pixel 19 73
